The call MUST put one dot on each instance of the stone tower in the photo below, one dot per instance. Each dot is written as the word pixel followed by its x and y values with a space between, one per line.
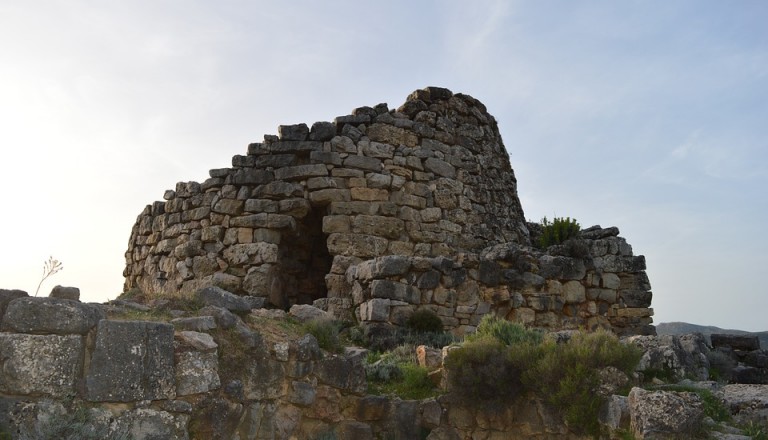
pixel 431 178
pixel 380 213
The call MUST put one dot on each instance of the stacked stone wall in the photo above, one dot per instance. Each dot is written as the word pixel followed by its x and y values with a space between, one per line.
pixel 151 380
pixel 431 178
pixel 592 282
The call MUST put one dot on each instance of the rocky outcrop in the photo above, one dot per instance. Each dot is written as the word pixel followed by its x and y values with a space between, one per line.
pixel 673 358
pixel 664 415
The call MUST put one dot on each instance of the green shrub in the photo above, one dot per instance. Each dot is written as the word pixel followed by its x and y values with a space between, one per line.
pixel 482 372
pixel 383 372
pixel 558 231
pixel 567 375
pixel 425 321
pixel 756 430
pixel 397 373
pixel 326 331
pixel 506 332
pixel 405 336
pixel 416 384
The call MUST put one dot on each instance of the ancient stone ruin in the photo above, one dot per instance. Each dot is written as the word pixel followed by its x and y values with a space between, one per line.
pixel 377 214
pixel 369 218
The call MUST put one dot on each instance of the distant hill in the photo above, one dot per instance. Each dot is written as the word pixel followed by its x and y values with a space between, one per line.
pixel 681 328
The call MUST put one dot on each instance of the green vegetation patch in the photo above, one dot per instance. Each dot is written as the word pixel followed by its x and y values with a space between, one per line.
pixel 326 331
pixel 397 373
pixel 558 231
pixel 503 361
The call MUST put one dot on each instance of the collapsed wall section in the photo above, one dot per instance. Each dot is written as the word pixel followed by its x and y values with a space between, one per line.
pixel 429 179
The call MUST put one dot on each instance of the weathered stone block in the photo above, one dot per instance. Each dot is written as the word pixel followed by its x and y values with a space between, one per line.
pixel 329 195
pixel 263 378
pixel 247 176
pixel 48 365
pixel 336 223
pixel 561 268
pixel 369 194
pixel 395 290
pixel 636 298
pixel 50 315
pixel 610 281
pixel 325 157
pixel 132 360
pixel 363 163
pixel 574 292
pixel 71 293
pixel 195 323
pixel 359 245
pixel 196 372
pixel 287 146
pixel 251 253
pixel 391 135
pixel 229 206
pixel 199 341
pixel 275 160
pixel 306 312
pixel 301 393
pixel 8 295
pixel 440 167
pixel 607 295
pixel 342 373
pixel 388 227
pixel 664 414
pixel 376 309
pixel 297 132
pixel 151 424
pixel 736 342
pixel 382 267
pixel 297 208
pixel 299 172
pixel 378 150
pixel 322 131
pixel 215 296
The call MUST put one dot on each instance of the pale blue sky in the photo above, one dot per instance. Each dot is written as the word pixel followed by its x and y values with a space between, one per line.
pixel 650 116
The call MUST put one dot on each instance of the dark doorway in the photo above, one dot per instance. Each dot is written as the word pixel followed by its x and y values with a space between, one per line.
pixel 305 260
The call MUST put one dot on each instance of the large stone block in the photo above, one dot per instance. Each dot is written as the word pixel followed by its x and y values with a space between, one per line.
pixel 342 373
pixel 392 135
pixel 299 172
pixel 196 372
pixel 215 296
pixel 376 309
pixel 358 245
pixel 395 290
pixel 251 253
pixel 8 295
pixel 50 315
pixel 388 227
pixel 363 163
pixel 664 414
pixel 132 360
pixel 47 365
pixel 151 424
pixel 65 292
pixel 440 167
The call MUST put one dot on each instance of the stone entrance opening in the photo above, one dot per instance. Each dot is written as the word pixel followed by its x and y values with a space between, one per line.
pixel 305 260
